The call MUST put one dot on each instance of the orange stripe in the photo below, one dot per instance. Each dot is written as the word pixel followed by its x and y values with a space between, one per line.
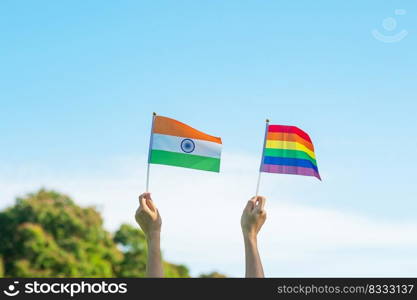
pixel 289 137
pixel 164 125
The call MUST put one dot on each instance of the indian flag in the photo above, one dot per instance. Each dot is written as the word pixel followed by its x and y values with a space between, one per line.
pixel 177 144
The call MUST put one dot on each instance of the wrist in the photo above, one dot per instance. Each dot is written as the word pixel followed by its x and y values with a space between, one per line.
pixel 250 237
pixel 153 236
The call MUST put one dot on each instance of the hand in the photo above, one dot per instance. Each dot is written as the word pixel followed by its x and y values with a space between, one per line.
pixel 253 216
pixel 147 216
pixel 150 221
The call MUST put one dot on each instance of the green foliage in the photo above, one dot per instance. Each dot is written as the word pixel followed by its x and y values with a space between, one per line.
pixel 133 243
pixel 1 267
pixel 47 235
pixel 175 271
pixel 213 275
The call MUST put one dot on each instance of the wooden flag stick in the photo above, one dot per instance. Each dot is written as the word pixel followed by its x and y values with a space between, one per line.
pixel 262 158
pixel 149 153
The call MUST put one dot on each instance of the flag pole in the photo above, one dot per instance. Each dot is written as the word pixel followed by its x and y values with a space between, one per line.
pixel 149 153
pixel 262 158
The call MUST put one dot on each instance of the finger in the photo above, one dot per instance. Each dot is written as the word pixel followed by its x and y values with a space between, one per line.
pixel 142 201
pixel 251 204
pixel 149 201
pixel 151 205
pixel 260 204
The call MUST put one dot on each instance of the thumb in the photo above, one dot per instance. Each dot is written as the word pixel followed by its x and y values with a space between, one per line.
pixel 151 205
pixel 260 204
pixel 142 201
pixel 251 204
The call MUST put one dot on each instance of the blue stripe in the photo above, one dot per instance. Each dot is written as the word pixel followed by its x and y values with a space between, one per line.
pixel 285 161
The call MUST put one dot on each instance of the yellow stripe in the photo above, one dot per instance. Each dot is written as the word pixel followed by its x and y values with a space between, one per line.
pixel 290 146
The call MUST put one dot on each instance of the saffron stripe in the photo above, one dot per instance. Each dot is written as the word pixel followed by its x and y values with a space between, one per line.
pixel 167 126
pixel 289 170
pixel 283 161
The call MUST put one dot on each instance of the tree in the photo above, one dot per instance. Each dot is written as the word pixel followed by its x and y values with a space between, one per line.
pixel 47 235
pixel 133 244
pixel 1 267
pixel 213 275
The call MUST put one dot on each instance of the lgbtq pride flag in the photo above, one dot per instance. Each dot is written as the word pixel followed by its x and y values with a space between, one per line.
pixel 177 144
pixel 288 150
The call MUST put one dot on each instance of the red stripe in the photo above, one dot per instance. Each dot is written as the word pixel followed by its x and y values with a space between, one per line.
pixel 289 129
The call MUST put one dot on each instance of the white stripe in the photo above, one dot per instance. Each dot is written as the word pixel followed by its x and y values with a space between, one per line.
pixel 173 144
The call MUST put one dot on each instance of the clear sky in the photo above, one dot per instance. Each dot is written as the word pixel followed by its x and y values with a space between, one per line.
pixel 79 81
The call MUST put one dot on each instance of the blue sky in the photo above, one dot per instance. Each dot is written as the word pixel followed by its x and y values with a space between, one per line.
pixel 80 79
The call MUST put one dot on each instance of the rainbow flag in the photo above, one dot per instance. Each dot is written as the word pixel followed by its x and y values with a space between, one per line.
pixel 288 150
pixel 177 144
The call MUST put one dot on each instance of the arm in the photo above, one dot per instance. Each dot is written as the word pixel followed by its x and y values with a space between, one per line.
pixel 148 218
pixel 253 218
pixel 154 263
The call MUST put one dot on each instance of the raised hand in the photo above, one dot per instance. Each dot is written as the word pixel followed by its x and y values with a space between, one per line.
pixel 148 218
pixel 253 217
pixel 147 215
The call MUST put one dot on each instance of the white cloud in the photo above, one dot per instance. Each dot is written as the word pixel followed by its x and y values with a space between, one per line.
pixel 201 214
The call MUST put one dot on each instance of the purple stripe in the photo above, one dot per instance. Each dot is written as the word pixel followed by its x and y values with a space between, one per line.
pixel 289 170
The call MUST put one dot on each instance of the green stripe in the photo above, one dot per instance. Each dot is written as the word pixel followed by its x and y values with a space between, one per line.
pixel 289 154
pixel 185 160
